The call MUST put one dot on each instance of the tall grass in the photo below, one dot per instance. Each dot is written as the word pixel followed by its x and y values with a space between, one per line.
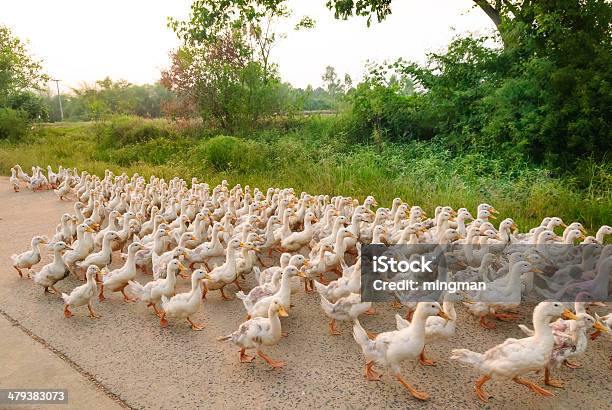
pixel 314 158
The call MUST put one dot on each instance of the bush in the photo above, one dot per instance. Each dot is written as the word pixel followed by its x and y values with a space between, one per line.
pixel 14 124
pixel 225 153
pixel 31 104
pixel 125 130
pixel 155 152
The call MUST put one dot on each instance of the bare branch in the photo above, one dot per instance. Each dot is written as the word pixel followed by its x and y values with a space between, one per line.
pixel 490 11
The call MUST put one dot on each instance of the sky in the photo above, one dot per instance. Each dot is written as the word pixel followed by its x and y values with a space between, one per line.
pixel 83 41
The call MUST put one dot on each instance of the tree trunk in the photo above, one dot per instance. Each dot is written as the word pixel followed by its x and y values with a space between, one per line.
pixel 493 13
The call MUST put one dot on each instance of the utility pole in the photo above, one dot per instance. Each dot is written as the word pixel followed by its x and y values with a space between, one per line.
pixel 59 98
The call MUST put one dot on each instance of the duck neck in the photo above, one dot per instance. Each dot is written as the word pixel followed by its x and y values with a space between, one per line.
pixel 543 331
pixel 602 279
pixel 171 276
pixel 91 281
pixel 579 307
pixel 284 285
pixel 275 324
pixel 158 245
pixel 131 259
pixel 106 249
pixel 126 227
pixel 449 309
pixel 58 259
pixel 484 264
pixel 417 326
pixel 307 225
pixel 514 280
pixel 599 236
pixel 36 248
pixel 230 259
pixel 214 240
pixel 356 274
pixel 336 228
pixel 339 247
pixel 328 219
pixel 321 253
pixel 269 232
pixel 79 215
pixel 196 289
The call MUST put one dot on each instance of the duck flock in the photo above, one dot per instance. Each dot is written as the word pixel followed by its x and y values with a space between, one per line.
pixel 216 236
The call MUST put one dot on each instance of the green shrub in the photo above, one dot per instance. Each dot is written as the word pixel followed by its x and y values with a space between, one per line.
pixel 155 152
pixel 124 130
pixel 14 124
pixel 225 153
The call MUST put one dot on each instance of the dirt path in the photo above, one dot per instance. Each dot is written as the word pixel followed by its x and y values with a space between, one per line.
pixel 128 356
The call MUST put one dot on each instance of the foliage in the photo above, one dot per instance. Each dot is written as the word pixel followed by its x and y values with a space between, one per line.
pixel 231 91
pixel 224 65
pixel 544 97
pixel 383 107
pixel 19 72
pixel 225 153
pixel 14 124
pixel 107 97
pixel 20 75
pixel 31 103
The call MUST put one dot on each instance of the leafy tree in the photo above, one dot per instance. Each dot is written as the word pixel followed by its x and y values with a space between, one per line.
pixel 31 103
pixel 348 82
pixel 19 72
pixel 20 76
pixel 230 90
pixel 546 95
pixel 224 66
pixel 331 81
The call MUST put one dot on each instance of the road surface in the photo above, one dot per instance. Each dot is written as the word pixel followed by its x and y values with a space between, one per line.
pixel 125 358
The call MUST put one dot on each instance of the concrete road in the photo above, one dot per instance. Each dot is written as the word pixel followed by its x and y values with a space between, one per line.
pixel 126 359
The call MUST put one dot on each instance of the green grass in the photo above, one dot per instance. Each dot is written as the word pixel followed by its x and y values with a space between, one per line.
pixel 313 157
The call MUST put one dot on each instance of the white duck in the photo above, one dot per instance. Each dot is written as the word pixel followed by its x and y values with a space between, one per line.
pixel 283 294
pixel 436 328
pixel 516 357
pixel 82 246
pixel 207 250
pixel 390 349
pixel 55 271
pixel 570 341
pixel 29 258
pixel 13 180
pixel 102 258
pixel 346 308
pixel 342 286
pixel 184 305
pixel 118 279
pixel 152 292
pixel 82 295
pixel 226 273
pixel 506 297
pixel 296 240
pixel 21 175
pixel 259 331
pixel 261 291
